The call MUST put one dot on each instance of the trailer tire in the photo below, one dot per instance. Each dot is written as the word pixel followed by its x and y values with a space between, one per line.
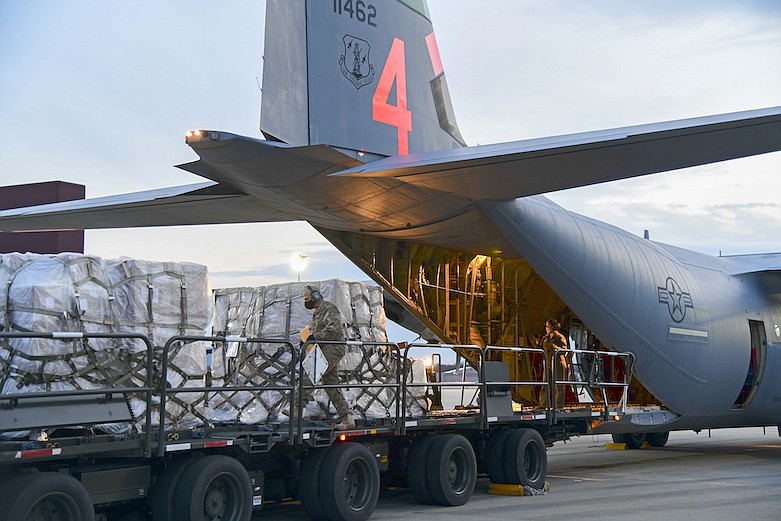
pixel 214 487
pixel 416 470
pixel 632 440
pixel 494 455
pixel 657 439
pixel 451 470
pixel 349 483
pixel 44 494
pixel 309 484
pixel 526 462
pixel 163 493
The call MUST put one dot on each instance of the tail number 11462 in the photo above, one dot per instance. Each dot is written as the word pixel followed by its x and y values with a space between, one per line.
pixel 361 11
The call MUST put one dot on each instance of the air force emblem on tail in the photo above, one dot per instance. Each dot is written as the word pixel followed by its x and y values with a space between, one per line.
pixel 355 63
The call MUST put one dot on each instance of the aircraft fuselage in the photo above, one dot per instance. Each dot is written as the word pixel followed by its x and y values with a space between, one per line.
pixel 704 329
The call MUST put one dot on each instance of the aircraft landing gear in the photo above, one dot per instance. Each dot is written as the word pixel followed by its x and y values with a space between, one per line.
pixel 635 440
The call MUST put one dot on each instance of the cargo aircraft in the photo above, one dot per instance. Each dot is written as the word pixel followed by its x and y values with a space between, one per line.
pixel 361 141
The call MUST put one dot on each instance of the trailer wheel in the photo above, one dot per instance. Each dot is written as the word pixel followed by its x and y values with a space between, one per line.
pixel 416 470
pixel 49 496
pixel 526 461
pixel 308 484
pixel 349 483
pixel 451 470
pixel 214 488
pixel 163 493
pixel 632 440
pixel 494 455
pixel 657 439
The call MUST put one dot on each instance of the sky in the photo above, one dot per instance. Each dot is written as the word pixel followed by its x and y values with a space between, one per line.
pixel 102 92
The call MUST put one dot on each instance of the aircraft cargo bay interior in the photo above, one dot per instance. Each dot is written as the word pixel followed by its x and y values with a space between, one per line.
pixel 485 300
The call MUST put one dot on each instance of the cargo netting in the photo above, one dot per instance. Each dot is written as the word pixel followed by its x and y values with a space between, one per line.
pixel 72 292
pixel 278 311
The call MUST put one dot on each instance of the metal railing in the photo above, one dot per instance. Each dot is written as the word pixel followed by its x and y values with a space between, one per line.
pixel 304 386
pixel 596 382
pixel 298 385
pixel 482 382
pixel 186 341
pixel 545 383
pixel 109 392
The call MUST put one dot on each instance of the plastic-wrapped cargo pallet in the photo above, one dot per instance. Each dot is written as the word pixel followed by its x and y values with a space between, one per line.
pixel 83 293
pixel 278 311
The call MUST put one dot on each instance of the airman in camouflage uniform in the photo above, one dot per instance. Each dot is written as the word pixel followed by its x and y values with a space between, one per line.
pixel 328 325
pixel 552 341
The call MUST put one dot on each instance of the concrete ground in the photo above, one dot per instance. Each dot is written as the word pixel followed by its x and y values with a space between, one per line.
pixel 731 475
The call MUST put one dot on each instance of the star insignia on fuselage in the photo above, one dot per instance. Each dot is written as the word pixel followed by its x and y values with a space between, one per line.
pixel 676 299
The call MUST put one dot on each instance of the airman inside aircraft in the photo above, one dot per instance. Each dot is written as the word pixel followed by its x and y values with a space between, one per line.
pixel 552 341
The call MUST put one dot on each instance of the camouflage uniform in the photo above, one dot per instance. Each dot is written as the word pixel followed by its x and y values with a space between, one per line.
pixel 327 324
pixel 550 343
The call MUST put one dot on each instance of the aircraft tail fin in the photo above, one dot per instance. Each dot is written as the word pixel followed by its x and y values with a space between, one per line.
pixel 360 75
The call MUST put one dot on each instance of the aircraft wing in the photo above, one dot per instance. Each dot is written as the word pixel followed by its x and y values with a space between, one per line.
pixel 521 168
pixel 200 203
pixel 755 263
pixel 245 176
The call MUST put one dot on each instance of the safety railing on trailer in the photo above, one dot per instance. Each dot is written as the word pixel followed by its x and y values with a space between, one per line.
pixel 186 341
pixel 481 383
pixel 597 381
pixel 304 387
pixel 405 385
pixel 544 383
pixel 13 400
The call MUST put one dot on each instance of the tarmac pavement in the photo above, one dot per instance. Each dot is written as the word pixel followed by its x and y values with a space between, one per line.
pixel 731 475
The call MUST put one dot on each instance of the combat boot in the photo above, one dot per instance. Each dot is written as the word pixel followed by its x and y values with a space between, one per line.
pixel 346 423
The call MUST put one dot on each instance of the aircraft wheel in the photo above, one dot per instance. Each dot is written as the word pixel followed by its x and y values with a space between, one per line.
pixel 632 440
pixel 657 439
pixel 214 488
pixel 494 455
pixel 525 461
pixel 49 496
pixel 163 493
pixel 349 483
pixel 416 470
pixel 309 484
pixel 451 470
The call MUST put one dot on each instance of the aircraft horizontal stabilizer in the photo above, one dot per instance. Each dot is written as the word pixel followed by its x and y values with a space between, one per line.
pixel 522 168
pixel 200 203
pixel 256 165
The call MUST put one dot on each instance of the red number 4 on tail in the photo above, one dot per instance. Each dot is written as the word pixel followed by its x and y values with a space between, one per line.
pixel 394 115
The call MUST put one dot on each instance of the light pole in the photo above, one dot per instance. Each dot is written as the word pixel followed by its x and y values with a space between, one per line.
pixel 299 262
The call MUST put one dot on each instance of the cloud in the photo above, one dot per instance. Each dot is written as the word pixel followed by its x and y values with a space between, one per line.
pixel 324 264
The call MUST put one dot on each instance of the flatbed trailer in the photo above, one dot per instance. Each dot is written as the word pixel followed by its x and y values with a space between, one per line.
pixel 226 471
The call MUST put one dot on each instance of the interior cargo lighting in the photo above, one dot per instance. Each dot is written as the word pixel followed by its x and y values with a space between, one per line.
pixel 189 133
pixel 428 362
